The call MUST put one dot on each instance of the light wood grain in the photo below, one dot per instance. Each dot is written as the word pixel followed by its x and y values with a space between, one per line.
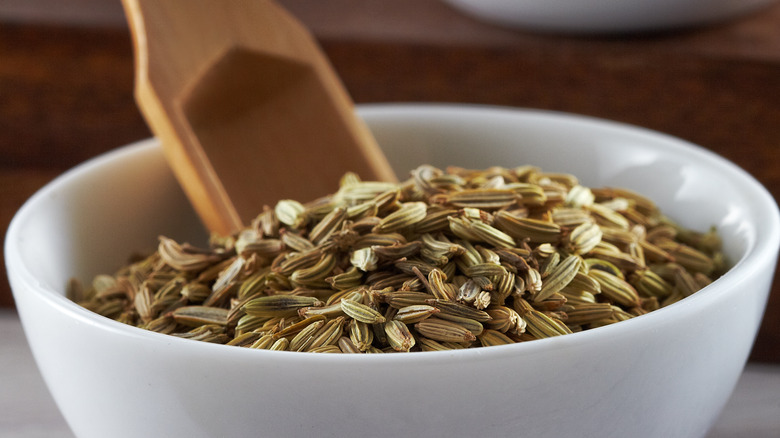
pixel 247 107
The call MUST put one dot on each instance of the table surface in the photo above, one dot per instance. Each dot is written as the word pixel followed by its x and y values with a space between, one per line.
pixel 27 410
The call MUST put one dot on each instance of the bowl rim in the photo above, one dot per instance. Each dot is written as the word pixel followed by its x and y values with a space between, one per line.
pixel 748 265
pixel 603 18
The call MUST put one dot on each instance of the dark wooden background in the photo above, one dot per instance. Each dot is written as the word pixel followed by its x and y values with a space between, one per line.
pixel 66 80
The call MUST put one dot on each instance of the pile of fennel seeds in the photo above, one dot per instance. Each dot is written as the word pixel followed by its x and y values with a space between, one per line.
pixel 445 260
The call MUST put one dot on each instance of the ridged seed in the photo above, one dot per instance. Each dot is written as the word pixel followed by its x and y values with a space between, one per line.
pixel 361 312
pixel 442 330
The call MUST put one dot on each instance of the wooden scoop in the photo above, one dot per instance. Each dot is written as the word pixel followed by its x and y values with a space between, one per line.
pixel 247 107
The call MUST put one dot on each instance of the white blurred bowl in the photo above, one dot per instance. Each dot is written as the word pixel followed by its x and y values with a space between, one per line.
pixel 666 374
pixel 606 16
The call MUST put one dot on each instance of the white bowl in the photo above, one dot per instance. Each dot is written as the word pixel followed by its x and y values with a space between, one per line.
pixel 606 16
pixel 667 373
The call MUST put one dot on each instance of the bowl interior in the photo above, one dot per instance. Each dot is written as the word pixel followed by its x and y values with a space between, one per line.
pixel 92 218
pixel 690 184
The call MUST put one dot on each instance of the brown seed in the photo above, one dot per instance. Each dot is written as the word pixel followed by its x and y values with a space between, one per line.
pixel 315 275
pixel 585 237
pixel 164 324
pixel 297 327
pixel 485 270
pixel 455 308
pixel 361 335
pixel 348 279
pixel 398 335
pixel 397 251
pixel 264 342
pixel 361 312
pixel 400 299
pixel 542 326
pixel 588 313
pixel 408 215
pixel 504 319
pixel 437 286
pixel 329 224
pixel 651 284
pixel 415 313
pixel 442 330
pixel 303 338
pixel 475 327
pixel 184 257
pixel 194 316
pixel 143 303
pixel 280 345
pixel 559 278
pixel 688 256
pixel 296 261
pixel 615 288
pixel 279 305
pixel 536 231
pixel 431 345
pixel 245 339
pixel 347 346
pixel 607 217
pixel 329 334
pixel 486 199
pixel 492 337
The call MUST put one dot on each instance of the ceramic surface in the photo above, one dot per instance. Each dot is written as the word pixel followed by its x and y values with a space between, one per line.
pixel 667 373
pixel 606 16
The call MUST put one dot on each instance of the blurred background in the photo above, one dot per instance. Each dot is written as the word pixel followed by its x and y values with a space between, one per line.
pixel 66 83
